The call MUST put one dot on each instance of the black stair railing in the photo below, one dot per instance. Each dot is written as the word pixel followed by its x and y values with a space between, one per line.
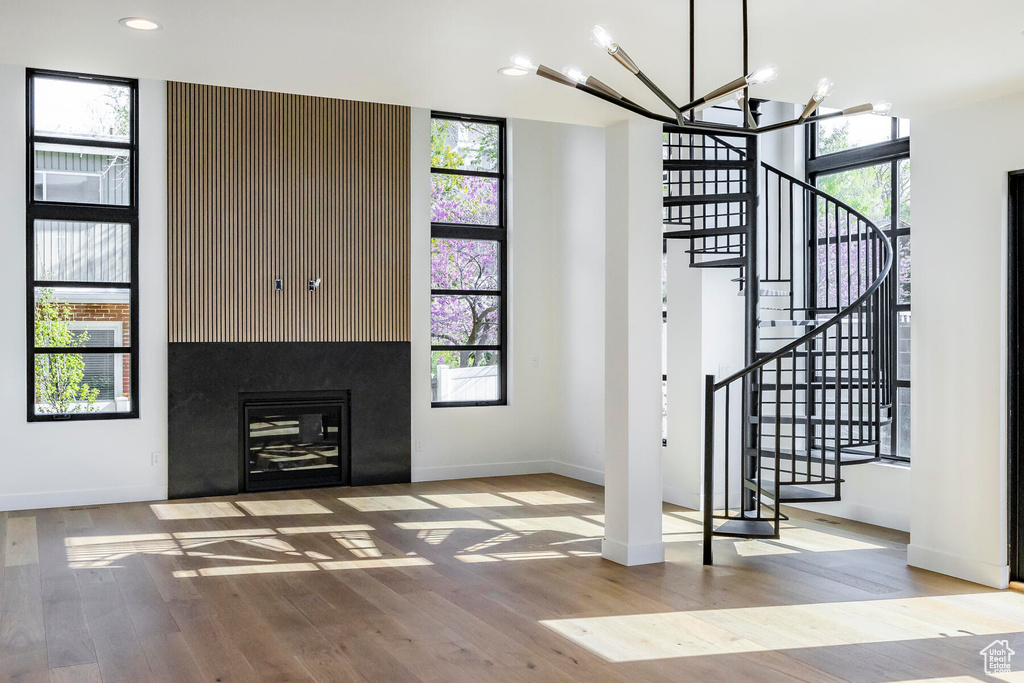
pixel 781 429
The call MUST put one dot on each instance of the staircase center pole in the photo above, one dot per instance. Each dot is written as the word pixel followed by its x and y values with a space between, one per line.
pixel 709 465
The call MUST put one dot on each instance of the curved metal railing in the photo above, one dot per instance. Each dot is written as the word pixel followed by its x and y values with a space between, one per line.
pixel 816 400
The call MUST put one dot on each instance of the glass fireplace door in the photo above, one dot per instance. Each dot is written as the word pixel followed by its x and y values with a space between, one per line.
pixel 294 445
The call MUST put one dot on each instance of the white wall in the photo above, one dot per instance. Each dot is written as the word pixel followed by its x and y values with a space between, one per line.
pixel 556 180
pixel 958 346
pixel 578 224
pixel 682 462
pixel 47 464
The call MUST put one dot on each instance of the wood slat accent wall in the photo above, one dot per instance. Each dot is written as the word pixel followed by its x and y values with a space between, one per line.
pixel 266 185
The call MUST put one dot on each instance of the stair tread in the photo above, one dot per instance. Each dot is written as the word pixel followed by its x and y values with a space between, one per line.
pixel 735 262
pixel 746 528
pixel 787 323
pixel 801 455
pixel 800 493
pixel 830 383
pixel 692 199
pixel 725 250
pixel 816 419
pixel 696 233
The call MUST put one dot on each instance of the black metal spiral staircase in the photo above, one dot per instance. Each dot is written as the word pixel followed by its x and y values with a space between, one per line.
pixel 817 385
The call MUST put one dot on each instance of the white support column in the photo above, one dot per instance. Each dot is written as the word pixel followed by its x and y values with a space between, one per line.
pixel 633 477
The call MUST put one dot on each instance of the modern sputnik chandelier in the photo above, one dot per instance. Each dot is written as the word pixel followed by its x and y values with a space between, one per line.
pixel 574 78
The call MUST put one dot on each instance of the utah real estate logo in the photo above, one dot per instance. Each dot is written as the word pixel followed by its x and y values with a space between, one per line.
pixel 997 657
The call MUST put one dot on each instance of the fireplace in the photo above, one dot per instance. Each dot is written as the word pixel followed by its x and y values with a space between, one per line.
pixel 295 441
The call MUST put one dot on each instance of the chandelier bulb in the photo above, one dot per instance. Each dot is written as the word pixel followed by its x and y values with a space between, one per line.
pixel 601 38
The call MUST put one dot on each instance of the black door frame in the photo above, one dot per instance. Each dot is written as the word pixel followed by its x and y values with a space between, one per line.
pixel 1015 374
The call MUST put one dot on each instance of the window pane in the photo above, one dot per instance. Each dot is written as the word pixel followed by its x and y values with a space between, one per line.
pixel 903 345
pixel 86 252
pixel 465 375
pixel 903 269
pixel 903 422
pixel 868 190
pixel 82 383
pixel 464 264
pixel 464 145
pixel 903 188
pixel 463 199
pixel 835 135
pixel 76 108
pixel 458 320
pixel 83 175
pixel 68 316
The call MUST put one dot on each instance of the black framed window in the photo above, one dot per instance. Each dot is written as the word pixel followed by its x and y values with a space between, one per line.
pixel 82 246
pixel 864 161
pixel 468 261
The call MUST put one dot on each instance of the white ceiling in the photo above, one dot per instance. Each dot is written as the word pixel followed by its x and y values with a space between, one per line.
pixel 923 55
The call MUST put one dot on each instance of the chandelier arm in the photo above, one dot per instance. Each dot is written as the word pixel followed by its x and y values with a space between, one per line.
pixel 859 109
pixel 653 87
pixel 726 90
pixel 623 58
pixel 604 93
pixel 625 104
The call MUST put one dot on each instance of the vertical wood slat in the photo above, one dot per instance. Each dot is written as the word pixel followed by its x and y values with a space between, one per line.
pixel 265 185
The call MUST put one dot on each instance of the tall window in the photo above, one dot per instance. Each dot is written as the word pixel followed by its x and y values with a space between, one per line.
pixel 468 265
pixel 83 225
pixel 864 161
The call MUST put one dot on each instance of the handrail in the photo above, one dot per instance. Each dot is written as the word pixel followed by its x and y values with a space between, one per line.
pixel 834 320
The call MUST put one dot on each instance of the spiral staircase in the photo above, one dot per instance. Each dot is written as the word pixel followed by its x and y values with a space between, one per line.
pixel 817 386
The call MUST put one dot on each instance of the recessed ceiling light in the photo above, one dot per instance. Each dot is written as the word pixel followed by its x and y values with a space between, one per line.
pixel 512 71
pixel 518 66
pixel 139 24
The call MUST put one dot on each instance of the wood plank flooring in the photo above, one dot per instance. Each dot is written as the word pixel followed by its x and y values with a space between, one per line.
pixel 495 579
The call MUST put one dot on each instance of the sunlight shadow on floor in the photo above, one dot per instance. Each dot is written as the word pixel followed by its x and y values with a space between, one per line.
pixel 751 629
pixel 386 503
pixel 470 500
pixel 273 508
pixel 195 510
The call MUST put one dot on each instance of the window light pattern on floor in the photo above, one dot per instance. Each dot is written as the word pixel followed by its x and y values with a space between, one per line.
pixel 483 527
pixel 636 637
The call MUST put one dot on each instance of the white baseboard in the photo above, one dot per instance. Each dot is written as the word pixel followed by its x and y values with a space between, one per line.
pixel 994 575
pixel 633 555
pixel 497 469
pixel 890 519
pixel 587 474
pixel 60 499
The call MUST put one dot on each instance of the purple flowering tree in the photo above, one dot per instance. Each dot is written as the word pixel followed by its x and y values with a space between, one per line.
pixel 469 265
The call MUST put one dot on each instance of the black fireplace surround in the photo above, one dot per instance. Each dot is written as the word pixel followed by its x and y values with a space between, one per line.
pixel 210 385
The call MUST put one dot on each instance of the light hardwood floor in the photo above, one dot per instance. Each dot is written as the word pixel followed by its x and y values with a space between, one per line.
pixel 495 579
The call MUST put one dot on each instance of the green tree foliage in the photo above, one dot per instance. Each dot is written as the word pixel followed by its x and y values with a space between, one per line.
pixel 869 191
pixel 59 384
